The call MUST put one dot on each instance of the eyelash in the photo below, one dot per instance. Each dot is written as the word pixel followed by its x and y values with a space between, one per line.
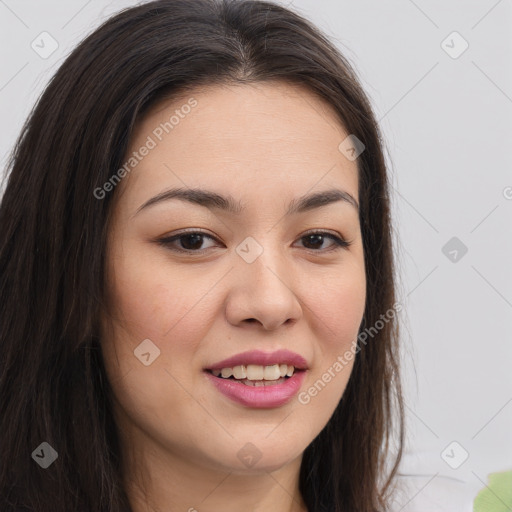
pixel 340 243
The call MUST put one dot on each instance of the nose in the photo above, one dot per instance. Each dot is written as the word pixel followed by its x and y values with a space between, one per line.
pixel 263 292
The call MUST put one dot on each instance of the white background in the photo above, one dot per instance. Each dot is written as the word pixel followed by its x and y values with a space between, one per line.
pixel 448 129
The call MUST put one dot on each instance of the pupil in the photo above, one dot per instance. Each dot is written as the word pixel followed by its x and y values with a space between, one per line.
pixel 196 244
pixel 317 238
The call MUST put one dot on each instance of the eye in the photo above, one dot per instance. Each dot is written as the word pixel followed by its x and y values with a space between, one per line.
pixel 192 241
pixel 317 238
pixel 188 242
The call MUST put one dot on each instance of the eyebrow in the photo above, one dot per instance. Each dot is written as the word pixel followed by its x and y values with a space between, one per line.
pixel 215 201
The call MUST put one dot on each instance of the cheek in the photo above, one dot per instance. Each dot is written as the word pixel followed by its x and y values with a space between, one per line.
pixel 174 318
pixel 337 303
pixel 154 300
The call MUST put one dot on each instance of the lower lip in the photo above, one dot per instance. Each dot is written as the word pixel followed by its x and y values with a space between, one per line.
pixel 261 397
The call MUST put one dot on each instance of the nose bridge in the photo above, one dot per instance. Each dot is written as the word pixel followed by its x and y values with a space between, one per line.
pixel 264 288
pixel 264 262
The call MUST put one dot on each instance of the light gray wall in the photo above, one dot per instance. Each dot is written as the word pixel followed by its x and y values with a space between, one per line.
pixel 448 128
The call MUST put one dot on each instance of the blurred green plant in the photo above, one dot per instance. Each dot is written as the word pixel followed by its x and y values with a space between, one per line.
pixel 497 496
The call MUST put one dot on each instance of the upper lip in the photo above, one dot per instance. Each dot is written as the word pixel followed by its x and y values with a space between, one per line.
pixel 262 358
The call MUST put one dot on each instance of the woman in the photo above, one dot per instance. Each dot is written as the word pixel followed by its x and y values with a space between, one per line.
pixel 196 274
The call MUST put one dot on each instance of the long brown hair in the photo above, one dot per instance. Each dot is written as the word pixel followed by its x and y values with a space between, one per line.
pixel 53 233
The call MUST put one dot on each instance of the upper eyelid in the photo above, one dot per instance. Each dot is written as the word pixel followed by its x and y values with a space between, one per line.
pixel 312 231
pixel 193 231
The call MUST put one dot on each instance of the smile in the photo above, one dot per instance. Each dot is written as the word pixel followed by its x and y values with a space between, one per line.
pixel 259 393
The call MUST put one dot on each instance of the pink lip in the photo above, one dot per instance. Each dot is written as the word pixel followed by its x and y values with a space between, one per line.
pixel 259 397
pixel 262 358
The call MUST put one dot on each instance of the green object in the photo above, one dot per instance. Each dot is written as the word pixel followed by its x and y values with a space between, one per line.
pixel 497 496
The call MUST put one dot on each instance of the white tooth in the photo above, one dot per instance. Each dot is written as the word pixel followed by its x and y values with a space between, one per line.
pixel 216 373
pixel 283 368
pixel 254 372
pixel 227 372
pixel 271 372
pixel 290 371
pixel 239 372
pixel 260 383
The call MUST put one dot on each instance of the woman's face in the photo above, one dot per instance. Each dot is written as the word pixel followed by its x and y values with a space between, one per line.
pixel 252 280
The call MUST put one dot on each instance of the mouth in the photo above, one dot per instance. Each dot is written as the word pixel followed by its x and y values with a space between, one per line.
pixel 256 392
pixel 257 375
pixel 259 379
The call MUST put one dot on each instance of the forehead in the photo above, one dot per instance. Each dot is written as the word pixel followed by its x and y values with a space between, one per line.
pixel 274 113
pixel 251 138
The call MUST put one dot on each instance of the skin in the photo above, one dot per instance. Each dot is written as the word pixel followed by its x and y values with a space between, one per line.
pixel 264 144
